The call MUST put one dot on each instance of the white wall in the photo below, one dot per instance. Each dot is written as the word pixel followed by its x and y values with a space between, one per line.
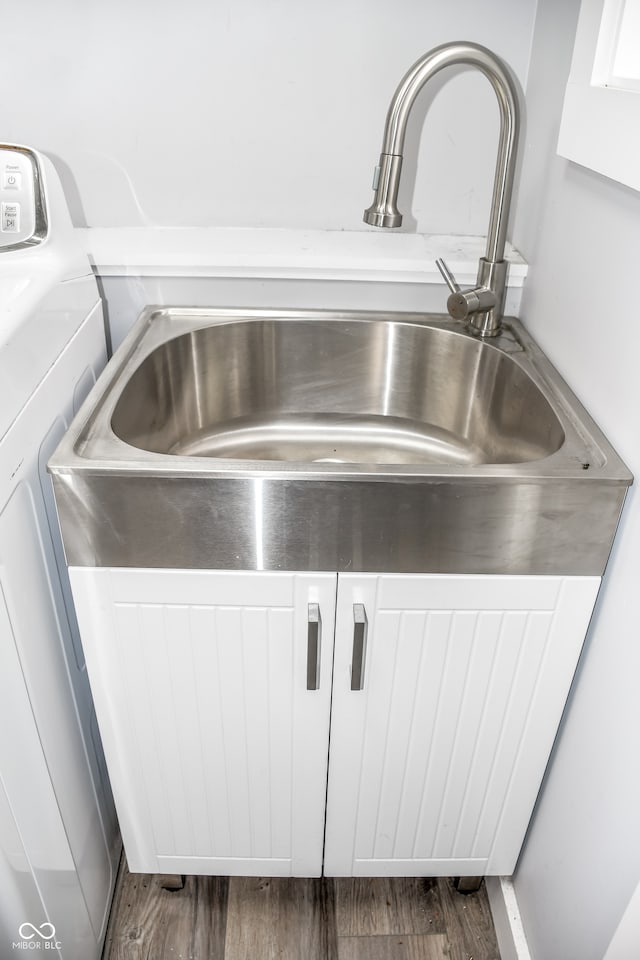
pixel 252 113
pixel 581 235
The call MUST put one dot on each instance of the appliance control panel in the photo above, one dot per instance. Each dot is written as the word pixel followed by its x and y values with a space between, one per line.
pixel 23 219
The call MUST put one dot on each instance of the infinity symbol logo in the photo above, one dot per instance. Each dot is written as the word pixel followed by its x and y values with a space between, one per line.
pixel 37 931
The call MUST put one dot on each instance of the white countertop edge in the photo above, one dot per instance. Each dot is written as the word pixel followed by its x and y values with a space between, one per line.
pixel 287 254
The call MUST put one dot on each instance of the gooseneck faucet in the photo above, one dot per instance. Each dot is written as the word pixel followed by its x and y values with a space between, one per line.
pixel 482 305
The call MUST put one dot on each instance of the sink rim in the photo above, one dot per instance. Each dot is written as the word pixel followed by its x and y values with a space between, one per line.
pixel 91 446
pixel 120 506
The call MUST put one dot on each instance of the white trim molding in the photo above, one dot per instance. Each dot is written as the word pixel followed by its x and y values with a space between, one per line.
pixel 626 939
pixel 512 941
pixel 266 253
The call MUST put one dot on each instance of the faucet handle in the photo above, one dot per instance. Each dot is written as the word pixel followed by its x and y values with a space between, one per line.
pixel 447 276
pixel 462 303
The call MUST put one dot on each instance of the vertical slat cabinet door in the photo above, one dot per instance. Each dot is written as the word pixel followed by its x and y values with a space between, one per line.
pixel 213 693
pixel 447 695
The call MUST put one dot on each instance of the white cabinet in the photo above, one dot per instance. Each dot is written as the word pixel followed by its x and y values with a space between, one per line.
pixel 217 750
pixel 217 733
pixel 435 765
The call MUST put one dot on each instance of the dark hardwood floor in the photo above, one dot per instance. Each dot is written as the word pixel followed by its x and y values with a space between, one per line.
pixel 262 918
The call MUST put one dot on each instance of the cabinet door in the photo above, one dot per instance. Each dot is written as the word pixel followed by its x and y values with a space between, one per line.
pixel 216 748
pixel 435 764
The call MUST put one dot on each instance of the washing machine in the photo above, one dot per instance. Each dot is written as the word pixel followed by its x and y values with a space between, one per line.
pixel 59 840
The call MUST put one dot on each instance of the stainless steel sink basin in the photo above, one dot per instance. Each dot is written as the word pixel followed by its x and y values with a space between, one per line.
pixel 345 441
pixel 335 391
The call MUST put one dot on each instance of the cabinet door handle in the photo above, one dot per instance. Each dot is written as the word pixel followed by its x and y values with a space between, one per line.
pixel 359 646
pixel 314 631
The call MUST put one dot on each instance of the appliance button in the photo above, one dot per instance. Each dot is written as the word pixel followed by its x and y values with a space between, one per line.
pixel 11 180
pixel 10 218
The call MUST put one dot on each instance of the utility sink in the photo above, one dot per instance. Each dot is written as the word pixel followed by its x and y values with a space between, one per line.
pixel 365 390
pixel 310 440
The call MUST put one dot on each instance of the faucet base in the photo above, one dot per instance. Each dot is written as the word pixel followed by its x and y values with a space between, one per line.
pixel 492 275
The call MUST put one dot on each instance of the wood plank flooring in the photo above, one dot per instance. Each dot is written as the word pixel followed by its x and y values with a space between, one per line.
pixel 264 918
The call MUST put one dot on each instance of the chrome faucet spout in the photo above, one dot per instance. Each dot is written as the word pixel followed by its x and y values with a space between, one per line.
pixel 482 306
